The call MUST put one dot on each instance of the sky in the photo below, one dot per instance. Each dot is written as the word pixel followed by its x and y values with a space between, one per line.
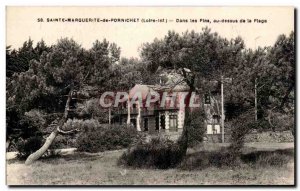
pixel 22 23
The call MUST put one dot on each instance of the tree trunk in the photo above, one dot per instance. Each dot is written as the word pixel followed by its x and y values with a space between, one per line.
pixel 128 112
pixel 37 154
pixel 270 119
pixel 138 118
pixel 183 141
pixel 109 115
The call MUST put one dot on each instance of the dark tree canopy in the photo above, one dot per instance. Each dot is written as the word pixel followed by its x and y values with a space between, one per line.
pixel 40 78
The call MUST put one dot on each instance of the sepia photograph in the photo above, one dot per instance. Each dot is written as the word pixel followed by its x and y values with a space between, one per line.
pixel 150 96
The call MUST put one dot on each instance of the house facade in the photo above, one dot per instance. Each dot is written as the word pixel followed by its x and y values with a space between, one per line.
pixel 168 118
pixel 153 118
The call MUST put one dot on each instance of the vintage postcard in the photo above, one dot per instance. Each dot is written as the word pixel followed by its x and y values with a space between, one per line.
pixel 150 96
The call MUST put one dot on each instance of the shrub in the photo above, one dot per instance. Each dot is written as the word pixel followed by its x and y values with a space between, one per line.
pixel 283 121
pixel 159 153
pixel 92 109
pixel 196 130
pixel 28 146
pixel 241 126
pixel 224 158
pixel 106 138
pixel 196 161
pixel 30 137
pixel 276 158
pixel 273 159
pixel 83 125
pixel 204 159
pixel 64 141
pixel 69 140
pixel 260 125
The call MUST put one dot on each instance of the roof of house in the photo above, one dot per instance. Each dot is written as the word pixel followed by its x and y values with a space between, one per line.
pixel 144 90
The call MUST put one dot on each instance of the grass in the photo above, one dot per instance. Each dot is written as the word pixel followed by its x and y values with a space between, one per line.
pixel 102 169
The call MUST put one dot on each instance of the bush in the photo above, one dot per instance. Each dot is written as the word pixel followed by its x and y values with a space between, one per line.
pixel 260 125
pixel 30 139
pixel 64 141
pixel 83 125
pixel 195 126
pixel 106 138
pixel 224 158
pixel 283 121
pixel 273 159
pixel 277 158
pixel 241 126
pixel 159 153
pixel 28 146
pixel 204 159
pixel 92 109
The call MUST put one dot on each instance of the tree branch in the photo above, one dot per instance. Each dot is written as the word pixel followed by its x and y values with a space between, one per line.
pixel 67 132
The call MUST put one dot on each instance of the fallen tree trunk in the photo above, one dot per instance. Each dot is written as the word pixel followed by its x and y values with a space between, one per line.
pixel 37 154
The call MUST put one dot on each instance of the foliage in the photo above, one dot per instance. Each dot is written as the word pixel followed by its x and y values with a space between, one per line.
pixel 30 138
pixel 28 146
pixel 272 70
pixel 81 125
pixel 130 70
pixel 18 60
pixel 31 123
pixel 277 158
pixel 48 76
pixel 39 78
pixel 70 140
pixel 199 57
pixel 205 53
pixel 92 109
pixel 204 159
pixel 35 118
pixel 158 153
pixel 106 138
pixel 223 158
pixel 65 66
pixel 260 125
pixel 283 121
pixel 196 130
pixel 20 114
pixel 64 141
pixel 241 126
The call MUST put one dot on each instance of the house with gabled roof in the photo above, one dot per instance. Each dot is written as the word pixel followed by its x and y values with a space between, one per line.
pixel 169 118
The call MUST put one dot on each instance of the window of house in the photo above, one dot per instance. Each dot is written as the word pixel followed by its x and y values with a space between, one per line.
pixel 157 123
pixel 133 122
pixel 162 122
pixel 146 124
pixel 213 129
pixel 173 122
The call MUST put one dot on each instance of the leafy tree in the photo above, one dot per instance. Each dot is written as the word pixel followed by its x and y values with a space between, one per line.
pixel 272 70
pixel 240 93
pixel 281 62
pixel 19 60
pixel 130 71
pixel 51 81
pixel 199 57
